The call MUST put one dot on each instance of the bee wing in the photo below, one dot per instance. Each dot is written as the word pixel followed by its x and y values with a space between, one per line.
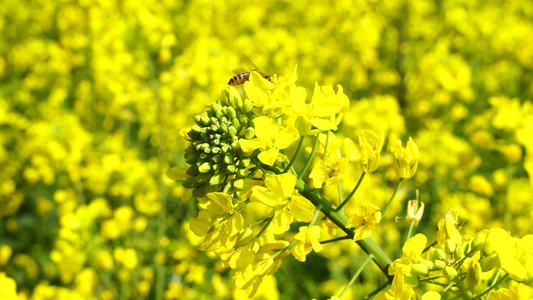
pixel 249 62
pixel 239 71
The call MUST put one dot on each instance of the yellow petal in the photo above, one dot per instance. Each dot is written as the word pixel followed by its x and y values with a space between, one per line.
pixel 286 137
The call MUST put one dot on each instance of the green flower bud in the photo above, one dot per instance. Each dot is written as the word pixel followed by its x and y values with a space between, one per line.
pixel 489 262
pixel 488 248
pixel 216 179
pixel 232 131
pixel 244 120
pixel 439 254
pixel 231 113
pixel 205 167
pixel 202 120
pixel 245 162
pixel 248 106
pixel 231 168
pixel 214 128
pixel 450 273
pixel 440 264
pixel 467 247
pixel 420 269
pixel 479 241
pixel 236 123
pixel 217 158
pixel 428 264
pixel 193 170
pixel 217 167
pixel 215 150
pixel 239 184
pixel 449 246
pixel 225 148
pixel 195 132
pixel 243 172
pixel 473 275
pixel 458 253
pixel 191 157
pixel 249 133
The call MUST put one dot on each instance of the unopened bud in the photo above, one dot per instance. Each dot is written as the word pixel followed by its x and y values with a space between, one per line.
pixel 232 131
pixel 248 106
pixel 488 248
pixel 479 241
pixel 439 254
pixel 249 133
pixel 467 247
pixel 440 264
pixel 489 262
pixel 236 123
pixel 473 275
pixel 231 113
pixel 458 253
pixel 449 246
pixel 231 168
pixel 450 273
pixel 205 167
pixel 216 179
pixel 420 269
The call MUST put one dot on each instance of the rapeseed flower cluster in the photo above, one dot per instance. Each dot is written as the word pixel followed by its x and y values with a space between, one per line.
pixel 93 96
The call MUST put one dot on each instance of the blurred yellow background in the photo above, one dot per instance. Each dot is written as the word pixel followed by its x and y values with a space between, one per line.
pixel 93 95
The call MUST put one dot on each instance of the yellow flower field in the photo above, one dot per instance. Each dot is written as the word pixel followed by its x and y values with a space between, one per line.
pixel 386 150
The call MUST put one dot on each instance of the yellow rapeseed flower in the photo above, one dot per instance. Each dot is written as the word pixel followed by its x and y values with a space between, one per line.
pixel 365 218
pixel 405 159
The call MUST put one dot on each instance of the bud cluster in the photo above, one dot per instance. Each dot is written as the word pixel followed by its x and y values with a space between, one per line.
pixel 217 164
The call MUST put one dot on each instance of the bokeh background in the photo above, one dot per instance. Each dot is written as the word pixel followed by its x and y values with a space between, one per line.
pixel 93 95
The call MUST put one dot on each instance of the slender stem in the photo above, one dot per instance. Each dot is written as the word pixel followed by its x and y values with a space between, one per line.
pixel 335 239
pixel 357 273
pixel 296 152
pixel 315 216
pixel 491 288
pixel 410 232
pixel 368 245
pixel 429 246
pixel 352 192
pixel 377 290
pixel 309 159
pixel 265 227
pixel 391 198
pixel 447 287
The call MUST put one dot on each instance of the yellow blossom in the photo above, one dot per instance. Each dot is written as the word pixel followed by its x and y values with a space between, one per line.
pixel 307 238
pixel 329 171
pixel 365 218
pixel 367 153
pixel 8 287
pixel 270 138
pixel 405 159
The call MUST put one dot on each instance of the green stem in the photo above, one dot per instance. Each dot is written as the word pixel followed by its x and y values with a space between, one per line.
pixel 368 259
pixel 315 216
pixel 335 239
pixel 296 152
pixel 411 226
pixel 391 199
pixel 494 284
pixel 309 159
pixel 368 245
pixel 265 227
pixel 352 192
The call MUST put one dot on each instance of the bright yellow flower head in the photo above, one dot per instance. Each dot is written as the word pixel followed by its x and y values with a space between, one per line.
pixel 307 238
pixel 365 218
pixel 447 229
pixel 405 159
pixel 286 203
pixel 367 153
pixel 270 138
pixel 329 171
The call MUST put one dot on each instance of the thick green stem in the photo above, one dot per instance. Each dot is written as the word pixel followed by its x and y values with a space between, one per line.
pixel 368 245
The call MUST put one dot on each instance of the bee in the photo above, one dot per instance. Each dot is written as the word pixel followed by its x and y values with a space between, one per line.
pixel 243 75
